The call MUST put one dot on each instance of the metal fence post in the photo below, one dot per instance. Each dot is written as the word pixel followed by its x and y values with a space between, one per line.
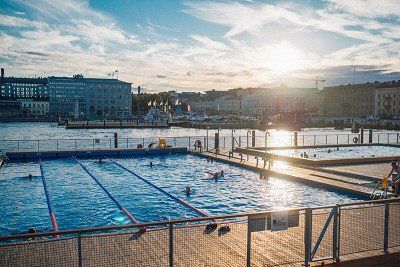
pixel 307 236
pixel 18 144
pixel 189 143
pixel 80 262
pixel 388 138
pixel 171 245
pixel 315 139
pixel 174 141
pixel 386 229
pixel 326 139
pixel 337 139
pixel 379 137
pixel 248 241
pixel 335 233
pixel 348 139
pixel 38 144
pixel 57 144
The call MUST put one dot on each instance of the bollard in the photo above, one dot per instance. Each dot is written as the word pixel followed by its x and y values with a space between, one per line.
pixel 370 136
pixel 115 140
pixel 362 135
pixel 253 138
pixel 216 142
pixel 295 139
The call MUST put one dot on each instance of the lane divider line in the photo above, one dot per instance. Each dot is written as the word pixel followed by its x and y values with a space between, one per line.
pixel 179 200
pixel 124 210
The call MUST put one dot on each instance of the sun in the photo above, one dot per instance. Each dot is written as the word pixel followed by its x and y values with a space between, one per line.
pixel 283 58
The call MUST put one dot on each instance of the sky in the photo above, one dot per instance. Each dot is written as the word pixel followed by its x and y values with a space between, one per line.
pixel 201 45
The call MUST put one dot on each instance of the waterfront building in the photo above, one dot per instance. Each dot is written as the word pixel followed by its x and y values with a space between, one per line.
pixel 90 98
pixel 34 107
pixel 387 102
pixel 353 100
pixel 9 108
pixel 23 88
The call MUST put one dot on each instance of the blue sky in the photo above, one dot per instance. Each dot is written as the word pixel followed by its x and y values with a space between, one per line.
pixel 201 45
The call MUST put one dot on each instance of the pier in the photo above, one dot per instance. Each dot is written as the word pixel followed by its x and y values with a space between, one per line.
pixel 114 124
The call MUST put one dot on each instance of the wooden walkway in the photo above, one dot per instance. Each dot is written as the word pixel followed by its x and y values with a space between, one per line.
pixel 361 230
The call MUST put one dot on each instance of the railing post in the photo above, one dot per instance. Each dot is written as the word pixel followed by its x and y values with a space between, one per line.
pixel 224 142
pixel 335 233
pixel 388 138
pixel 240 141
pixel 171 245
pixel 143 142
pixel 127 141
pixel 303 139
pixel 174 141
pixel 93 143
pixel 80 261
pixel 315 139
pixel 38 144
pixel 18 144
pixel 248 247
pixel 337 139
pixel 57 143
pixel 379 137
pixel 189 143
pixel 326 139
pixel 307 236
pixel 348 139
pixel 386 229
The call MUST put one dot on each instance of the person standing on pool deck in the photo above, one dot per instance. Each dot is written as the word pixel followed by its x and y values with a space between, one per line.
pixel 395 178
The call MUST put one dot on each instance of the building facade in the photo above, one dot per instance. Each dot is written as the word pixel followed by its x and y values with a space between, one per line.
pixel 387 102
pixel 90 98
pixel 24 88
pixel 34 107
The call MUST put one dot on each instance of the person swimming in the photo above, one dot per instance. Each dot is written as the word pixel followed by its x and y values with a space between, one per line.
pixel 151 164
pixel 221 173
pixel 100 161
pixel 214 175
pixel 187 190
pixel 30 176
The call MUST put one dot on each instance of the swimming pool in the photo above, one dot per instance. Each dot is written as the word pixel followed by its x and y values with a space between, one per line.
pixel 341 152
pixel 79 202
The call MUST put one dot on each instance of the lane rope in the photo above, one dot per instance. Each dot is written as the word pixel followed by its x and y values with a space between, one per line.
pixel 46 192
pixel 124 210
pixel 179 200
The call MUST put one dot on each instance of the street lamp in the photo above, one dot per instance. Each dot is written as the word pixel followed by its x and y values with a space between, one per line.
pixel 267 134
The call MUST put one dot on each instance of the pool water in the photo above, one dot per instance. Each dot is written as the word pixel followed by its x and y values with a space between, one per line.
pixel 78 202
pixel 335 152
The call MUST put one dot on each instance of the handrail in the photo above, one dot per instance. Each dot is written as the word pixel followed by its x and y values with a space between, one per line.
pixel 187 220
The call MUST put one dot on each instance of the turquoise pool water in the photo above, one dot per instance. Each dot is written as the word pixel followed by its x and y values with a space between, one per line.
pixel 78 202
pixel 336 152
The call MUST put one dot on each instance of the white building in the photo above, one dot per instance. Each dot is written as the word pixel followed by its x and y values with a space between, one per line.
pixel 33 107
pixel 387 101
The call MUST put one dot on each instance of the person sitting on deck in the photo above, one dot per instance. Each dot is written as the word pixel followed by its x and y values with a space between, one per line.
pixel 395 177
pixel 150 145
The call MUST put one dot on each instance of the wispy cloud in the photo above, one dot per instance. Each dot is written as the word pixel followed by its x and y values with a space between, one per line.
pixel 243 43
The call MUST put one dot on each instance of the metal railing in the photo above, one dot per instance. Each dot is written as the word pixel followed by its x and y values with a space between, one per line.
pixel 252 239
pixel 225 142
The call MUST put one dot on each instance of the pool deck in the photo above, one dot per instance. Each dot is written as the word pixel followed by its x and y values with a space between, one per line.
pixel 313 176
pixel 195 247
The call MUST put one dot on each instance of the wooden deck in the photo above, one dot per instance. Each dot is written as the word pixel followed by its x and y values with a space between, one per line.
pixel 361 233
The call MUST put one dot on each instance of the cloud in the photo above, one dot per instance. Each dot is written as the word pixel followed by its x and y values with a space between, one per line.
pixel 237 44
pixel 368 8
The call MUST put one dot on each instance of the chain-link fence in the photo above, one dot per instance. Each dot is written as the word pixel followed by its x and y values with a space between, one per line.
pixel 259 239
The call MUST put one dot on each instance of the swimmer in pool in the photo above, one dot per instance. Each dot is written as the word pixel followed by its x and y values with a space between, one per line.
pixel 101 161
pixel 151 164
pixel 187 190
pixel 30 176
pixel 214 175
pixel 221 173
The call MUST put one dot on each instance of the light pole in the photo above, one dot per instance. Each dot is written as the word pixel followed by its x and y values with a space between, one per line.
pixel 247 143
pixel 217 148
